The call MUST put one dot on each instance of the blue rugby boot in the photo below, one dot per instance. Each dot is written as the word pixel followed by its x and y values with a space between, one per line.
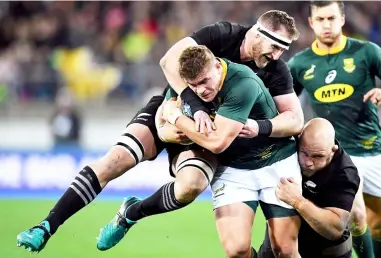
pixel 113 232
pixel 35 239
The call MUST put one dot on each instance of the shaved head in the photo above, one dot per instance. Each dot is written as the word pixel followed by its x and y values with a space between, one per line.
pixel 317 146
pixel 318 133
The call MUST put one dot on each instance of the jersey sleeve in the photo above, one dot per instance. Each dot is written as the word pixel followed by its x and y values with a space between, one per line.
pixel 170 94
pixel 281 80
pixel 374 55
pixel 212 36
pixel 239 101
pixel 297 86
pixel 342 191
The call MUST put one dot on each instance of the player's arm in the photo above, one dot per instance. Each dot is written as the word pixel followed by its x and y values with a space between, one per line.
pixel 330 221
pixel 169 63
pixel 374 56
pixel 218 140
pixel 229 121
pixel 166 131
pixel 290 120
pixel 159 121
pixel 374 61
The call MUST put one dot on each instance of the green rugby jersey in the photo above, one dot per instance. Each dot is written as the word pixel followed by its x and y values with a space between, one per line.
pixel 243 95
pixel 336 83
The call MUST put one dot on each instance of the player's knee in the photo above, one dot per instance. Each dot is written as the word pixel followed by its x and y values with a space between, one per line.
pixel 237 249
pixel 284 248
pixel 357 220
pixel 192 178
pixel 112 165
pixel 188 187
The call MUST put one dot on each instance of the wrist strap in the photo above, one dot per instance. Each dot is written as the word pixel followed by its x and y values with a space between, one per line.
pixel 265 127
pixel 191 98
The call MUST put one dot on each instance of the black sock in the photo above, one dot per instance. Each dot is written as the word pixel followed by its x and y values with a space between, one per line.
pixel 84 188
pixel 162 201
pixel 265 251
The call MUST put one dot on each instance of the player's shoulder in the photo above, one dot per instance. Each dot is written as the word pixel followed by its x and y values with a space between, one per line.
pixel 359 44
pixel 230 28
pixel 239 73
pixel 300 57
pixel 236 70
pixel 230 25
pixel 353 42
pixel 279 67
pixel 344 168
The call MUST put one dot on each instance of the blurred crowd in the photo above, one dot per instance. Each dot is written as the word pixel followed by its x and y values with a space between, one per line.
pixel 111 50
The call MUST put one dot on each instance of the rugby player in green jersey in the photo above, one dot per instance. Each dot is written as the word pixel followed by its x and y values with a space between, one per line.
pixel 338 74
pixel 249 169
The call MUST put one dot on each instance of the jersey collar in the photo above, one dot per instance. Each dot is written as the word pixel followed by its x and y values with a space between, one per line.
pixel 335 50
pixel 224 72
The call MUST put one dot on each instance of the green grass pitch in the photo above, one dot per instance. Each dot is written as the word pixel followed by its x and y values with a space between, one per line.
pixel 186 233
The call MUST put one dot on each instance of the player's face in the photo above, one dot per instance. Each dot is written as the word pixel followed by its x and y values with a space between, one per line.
pixel 327 23
pixel 314 157
pixel 265 51
pixel 206 85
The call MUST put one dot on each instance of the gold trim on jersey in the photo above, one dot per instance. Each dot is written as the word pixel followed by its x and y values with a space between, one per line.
pixel 224 72
pixel 334 50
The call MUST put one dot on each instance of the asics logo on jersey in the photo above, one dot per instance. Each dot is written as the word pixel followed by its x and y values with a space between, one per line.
pixel 333 92
pixel 331 76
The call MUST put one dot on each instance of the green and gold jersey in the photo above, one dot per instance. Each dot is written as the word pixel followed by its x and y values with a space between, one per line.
pixel 336 83
pixel 242 95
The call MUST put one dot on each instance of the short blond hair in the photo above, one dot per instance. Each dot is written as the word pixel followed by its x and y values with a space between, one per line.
pixel 193 61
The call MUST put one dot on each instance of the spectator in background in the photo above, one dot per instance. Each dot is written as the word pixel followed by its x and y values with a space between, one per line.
pixel 65 123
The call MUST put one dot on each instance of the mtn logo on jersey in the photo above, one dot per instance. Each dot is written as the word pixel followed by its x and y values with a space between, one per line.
pixel 349 65
pixel 333 92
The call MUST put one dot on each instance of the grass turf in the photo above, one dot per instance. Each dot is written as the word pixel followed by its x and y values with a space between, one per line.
pixel 186 233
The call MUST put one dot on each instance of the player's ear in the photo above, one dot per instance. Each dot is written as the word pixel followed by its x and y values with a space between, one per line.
pixel 343 20
pixel 335 148
pixel 310 22
pixel 218 65
pixel 256 35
